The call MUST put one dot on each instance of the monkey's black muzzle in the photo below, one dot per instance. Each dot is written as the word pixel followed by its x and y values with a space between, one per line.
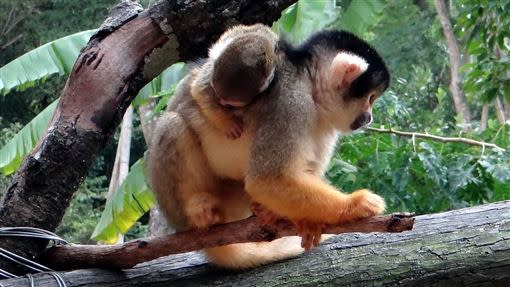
pixel 363 119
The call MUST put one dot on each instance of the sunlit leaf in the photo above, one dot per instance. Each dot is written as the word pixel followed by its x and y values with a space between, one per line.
pixel 166 81
pixel 132 199
pixel 24 141
pixel 35 66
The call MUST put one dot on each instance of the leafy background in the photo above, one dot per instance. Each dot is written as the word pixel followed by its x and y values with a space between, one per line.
pixel 413 175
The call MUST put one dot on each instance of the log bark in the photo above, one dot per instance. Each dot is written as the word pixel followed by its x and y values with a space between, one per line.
pixel 130 49
pixel 466 247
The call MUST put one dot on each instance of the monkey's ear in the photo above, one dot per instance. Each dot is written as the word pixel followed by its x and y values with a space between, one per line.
pixel 344 69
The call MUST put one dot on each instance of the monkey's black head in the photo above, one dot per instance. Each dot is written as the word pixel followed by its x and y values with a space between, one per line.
pixel 349 75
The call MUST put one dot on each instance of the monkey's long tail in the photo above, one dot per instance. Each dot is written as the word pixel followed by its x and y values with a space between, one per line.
pixel 247 255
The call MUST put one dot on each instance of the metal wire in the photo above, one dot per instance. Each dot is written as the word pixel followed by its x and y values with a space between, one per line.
pixel 31 280
pixel 60 280
pixel 29 232
pixel 34 266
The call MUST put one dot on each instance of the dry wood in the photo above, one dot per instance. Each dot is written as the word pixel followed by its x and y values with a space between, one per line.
pixel 248 230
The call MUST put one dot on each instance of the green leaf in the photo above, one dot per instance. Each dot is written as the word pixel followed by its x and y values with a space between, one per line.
pixel 24 141
pixel 132 199
pixel 166 81
pixel 360 15
pixel 38 64
pixel 305 17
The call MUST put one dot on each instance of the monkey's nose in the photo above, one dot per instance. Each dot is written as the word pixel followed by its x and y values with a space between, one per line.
pixel 363 119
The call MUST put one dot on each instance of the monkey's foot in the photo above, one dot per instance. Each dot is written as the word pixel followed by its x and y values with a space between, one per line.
pixel 264 215
pixel 203 211
pixel 235 128
pixel 310 233
pixel 366 203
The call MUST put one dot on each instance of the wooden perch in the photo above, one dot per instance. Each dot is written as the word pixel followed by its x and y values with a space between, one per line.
pixel 129 254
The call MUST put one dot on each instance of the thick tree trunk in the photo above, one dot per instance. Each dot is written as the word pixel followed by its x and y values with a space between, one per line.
pixel 130 49
pixel 466 247
pixel 459 99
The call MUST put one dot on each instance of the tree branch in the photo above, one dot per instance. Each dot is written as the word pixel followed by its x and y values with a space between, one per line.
pixel 437 138
pixel 127 255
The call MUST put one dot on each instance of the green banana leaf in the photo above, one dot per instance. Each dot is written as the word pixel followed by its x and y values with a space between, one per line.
pixel 360 15
pixel 166 81
pixel 38 64
pixel 24 141
pixel 301 19
pixel 132 199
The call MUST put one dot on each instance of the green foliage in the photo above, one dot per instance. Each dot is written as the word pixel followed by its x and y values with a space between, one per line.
pixel 161 86
pixel 306 17
pixel 84 211
pixel 22 143
pixel 423 176
pixel 359 15
pixel 32 68
pixel 484 25
pixel 126 205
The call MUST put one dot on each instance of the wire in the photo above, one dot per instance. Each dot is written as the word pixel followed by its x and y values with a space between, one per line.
pixel 29 232
pixel 31 280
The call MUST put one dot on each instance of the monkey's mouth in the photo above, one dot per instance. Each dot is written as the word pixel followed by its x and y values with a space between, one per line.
pixel 231 103
pixel 362 120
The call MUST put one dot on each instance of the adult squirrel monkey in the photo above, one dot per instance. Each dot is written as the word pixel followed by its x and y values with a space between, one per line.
pixel 320 89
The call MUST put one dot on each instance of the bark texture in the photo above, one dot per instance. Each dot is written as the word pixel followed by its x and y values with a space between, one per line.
pixel 459 99
pixel 129 50
pixel 466 247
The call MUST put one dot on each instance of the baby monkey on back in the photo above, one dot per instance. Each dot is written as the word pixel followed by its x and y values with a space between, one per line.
pixel 240 66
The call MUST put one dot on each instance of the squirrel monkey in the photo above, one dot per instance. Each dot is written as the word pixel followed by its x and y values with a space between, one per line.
pixel 322 88
pixel 240 66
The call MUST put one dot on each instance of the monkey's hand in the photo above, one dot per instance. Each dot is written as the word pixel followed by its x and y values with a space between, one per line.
pixel 202 210
pixel 366 204
pixel 264 215
pixel 234 128
pixel 310 233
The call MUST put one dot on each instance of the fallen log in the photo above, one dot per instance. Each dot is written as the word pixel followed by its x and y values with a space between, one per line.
pixel 465 247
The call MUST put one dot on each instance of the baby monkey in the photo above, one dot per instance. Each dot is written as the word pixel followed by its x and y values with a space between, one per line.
pixel 240 66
